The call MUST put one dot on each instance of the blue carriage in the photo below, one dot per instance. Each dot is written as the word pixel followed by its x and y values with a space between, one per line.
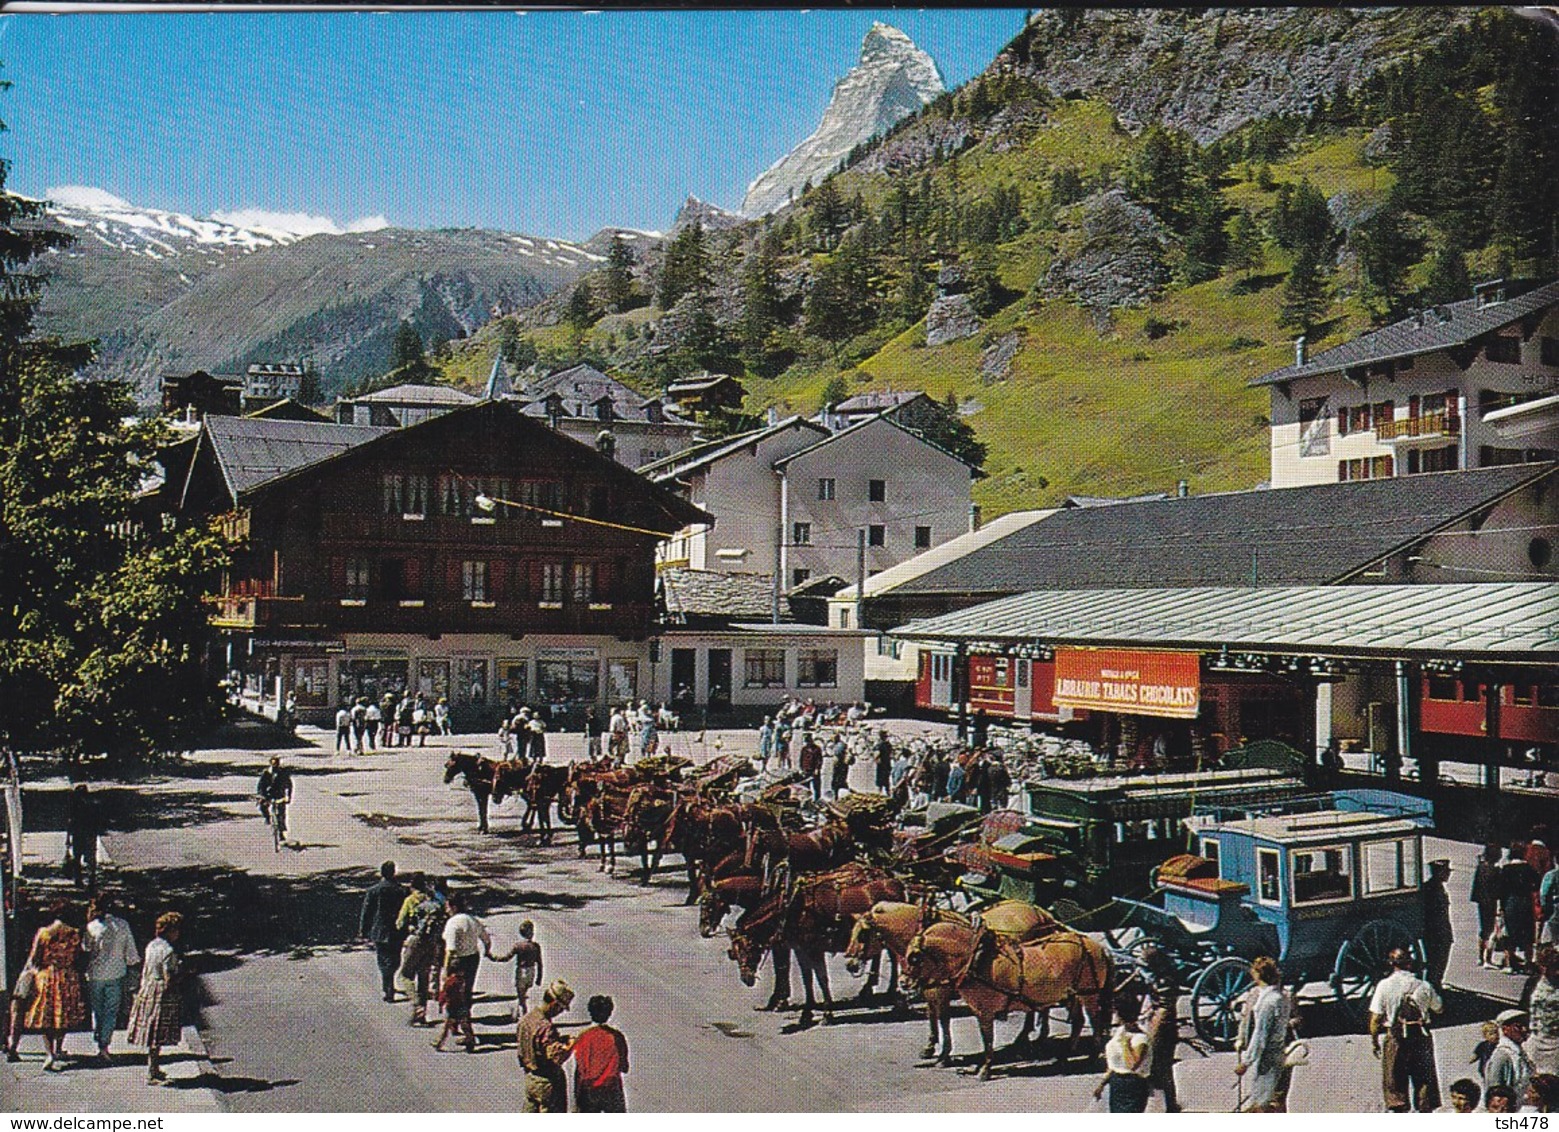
pixel 1327 886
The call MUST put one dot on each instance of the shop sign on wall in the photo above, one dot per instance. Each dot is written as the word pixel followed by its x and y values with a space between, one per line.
pixel 1125 680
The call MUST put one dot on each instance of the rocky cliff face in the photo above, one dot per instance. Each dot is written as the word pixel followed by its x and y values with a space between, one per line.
pixel 1209 71
pixel 893 79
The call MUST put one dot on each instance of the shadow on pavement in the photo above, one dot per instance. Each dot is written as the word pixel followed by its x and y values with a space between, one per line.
pixel 221 1084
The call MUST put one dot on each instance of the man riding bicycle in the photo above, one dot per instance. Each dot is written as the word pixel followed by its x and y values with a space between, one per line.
pixel 275 791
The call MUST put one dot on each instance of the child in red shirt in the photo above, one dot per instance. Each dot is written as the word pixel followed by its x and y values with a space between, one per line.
pixel 454 995
pixel 600 1060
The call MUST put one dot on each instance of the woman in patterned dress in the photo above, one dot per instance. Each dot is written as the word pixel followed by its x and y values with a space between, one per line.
pixel 57 1005
pixel 157 1018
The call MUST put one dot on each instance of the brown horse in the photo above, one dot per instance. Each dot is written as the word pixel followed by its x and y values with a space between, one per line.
pixel 810 921
pixel 478 773
pixel 993 975
pixel 647 818
pixel 705 833
pixel 824 847
pixel 893 926
pixel 543 786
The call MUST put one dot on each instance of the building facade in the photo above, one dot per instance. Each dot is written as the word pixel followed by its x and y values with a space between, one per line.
pixel 1467 385
pixel 597 409
pixel 367 565
pixel 400 405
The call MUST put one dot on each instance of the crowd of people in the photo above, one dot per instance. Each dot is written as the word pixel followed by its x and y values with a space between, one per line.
pixel 1516 891
pixel 366 724
pixel 429 947
pixel 76 975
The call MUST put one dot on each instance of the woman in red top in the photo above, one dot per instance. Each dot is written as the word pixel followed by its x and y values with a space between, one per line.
pixel 600 1060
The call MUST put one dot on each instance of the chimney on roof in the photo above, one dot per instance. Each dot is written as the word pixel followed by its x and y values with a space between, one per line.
pixel 1301 353
pixel 1488 293
pixel 974 517
pixel 771 418
pixel 1182 489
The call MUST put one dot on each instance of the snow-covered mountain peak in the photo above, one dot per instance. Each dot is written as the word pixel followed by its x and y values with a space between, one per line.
pixel 892 80
pixel 93 214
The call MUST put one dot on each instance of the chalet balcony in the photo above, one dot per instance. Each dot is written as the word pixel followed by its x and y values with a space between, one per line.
pixel 269 612
pixel 442 530
pixel 1428 428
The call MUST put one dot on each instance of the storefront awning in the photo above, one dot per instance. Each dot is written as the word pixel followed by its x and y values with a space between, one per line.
pixel 1512 622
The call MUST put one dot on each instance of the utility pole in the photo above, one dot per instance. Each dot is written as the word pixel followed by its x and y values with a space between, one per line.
pixel 860 574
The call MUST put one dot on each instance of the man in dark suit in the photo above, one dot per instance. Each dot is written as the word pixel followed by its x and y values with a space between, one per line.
pixel 381 906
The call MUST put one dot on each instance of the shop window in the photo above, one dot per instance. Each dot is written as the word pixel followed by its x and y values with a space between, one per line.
pixel 311 682
pixel 1321 874
pixel 371 677
pixel 513 681
pixel 433 679
pixel 1390 866
pixel 817 668
pixel 622 680
pixel 568 681
pixel 765 668
pixel 1268 890
pixel 470 682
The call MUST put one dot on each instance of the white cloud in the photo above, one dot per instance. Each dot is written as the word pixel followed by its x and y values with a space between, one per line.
pixel 85 197
pixel 295 223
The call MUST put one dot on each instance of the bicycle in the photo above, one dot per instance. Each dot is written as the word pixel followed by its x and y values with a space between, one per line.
pixel 276 817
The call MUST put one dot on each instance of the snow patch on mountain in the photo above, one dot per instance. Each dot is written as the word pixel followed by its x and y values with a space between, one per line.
pixel 295 225
pixel 893 79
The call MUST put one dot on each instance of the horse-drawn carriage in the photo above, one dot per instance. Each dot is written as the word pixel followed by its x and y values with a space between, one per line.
pixel 1327 886
pixel 1088 840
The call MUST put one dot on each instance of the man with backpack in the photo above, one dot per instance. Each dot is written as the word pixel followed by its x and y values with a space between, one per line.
pixel 1399 1013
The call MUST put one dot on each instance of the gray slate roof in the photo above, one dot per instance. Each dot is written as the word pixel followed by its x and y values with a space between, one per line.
pixel 888 419
pixel 1295 535
pixel 411 394
pixel 580 387
pixel 711 594
pixel 877 401
pixel 252 451
pixel 1507 620
pixel 702 455
pixel 1424 334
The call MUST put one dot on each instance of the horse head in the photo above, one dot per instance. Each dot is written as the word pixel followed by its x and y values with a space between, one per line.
pixel 457 762
pixel 747 955
pixel 712 908
pixel 863 943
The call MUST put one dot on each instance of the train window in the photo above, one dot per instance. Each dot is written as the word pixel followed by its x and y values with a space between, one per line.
pixel 1267 889
pixel 1390 866
pixel 1210 851
pixel 1548 695
pixel 1521 694
pixel 1322 874
pixel 1442 688
pixel 1000 672
pixel 1471 692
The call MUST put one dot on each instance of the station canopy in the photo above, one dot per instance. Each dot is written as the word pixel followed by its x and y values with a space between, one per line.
pixel 1513 622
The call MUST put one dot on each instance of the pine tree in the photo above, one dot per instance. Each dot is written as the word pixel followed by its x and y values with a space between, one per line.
pixel 1386 251
pixel 581 313
pixel 834 391
pixel 1307 295
pixel 686 266
pixel 1205 240
pixel 761 307
pixel 617 280
pixel 409 360
pixel 1448 280
pixel 1245 250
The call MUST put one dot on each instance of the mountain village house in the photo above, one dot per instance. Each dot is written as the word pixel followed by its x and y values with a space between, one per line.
pixel 1466 385
pixel 367 565
pixel 797 501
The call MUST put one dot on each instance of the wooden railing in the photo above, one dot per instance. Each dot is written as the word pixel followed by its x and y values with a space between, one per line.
pixel 1430 424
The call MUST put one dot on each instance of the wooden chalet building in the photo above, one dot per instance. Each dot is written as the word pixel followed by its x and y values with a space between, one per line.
pixel 367 566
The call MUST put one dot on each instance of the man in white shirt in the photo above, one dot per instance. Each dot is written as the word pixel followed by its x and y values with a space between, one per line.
pixel 110 946
pixel 1400 1011
pixel 1509 1064
pixel 465 938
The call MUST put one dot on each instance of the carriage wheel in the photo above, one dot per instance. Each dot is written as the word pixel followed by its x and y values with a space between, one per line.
pixel 1362 962
pixel 1215 1000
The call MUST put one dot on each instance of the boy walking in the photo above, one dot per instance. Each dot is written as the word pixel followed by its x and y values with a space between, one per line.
pixel 600 1060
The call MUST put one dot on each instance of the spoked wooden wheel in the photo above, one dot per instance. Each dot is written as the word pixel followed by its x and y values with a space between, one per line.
pixel 1216 997
pixel 1362 962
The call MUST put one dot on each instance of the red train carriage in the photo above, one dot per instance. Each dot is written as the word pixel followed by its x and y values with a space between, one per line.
pixel 1527 711
pixel 1004 687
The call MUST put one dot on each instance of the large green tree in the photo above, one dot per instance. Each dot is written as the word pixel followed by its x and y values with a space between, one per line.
pixel 103 620
pixel 617 280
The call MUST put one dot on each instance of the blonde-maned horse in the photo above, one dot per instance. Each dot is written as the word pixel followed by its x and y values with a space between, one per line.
pixel 894 926
pixel 994 975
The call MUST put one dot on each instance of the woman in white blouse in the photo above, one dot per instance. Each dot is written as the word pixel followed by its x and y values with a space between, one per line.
pixel 1126 1059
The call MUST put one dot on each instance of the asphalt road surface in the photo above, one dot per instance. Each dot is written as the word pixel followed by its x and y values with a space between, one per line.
pixel 292 1020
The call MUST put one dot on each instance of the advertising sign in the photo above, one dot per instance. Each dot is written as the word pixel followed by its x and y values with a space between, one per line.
pixel 1123 680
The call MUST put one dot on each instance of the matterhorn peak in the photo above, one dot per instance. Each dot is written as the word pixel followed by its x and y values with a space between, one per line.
pixel 893 79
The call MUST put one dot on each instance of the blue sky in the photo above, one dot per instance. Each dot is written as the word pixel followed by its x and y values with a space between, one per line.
pixel 550 123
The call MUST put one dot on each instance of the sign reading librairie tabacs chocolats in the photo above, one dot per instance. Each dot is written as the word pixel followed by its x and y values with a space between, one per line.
pixel 1123 680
